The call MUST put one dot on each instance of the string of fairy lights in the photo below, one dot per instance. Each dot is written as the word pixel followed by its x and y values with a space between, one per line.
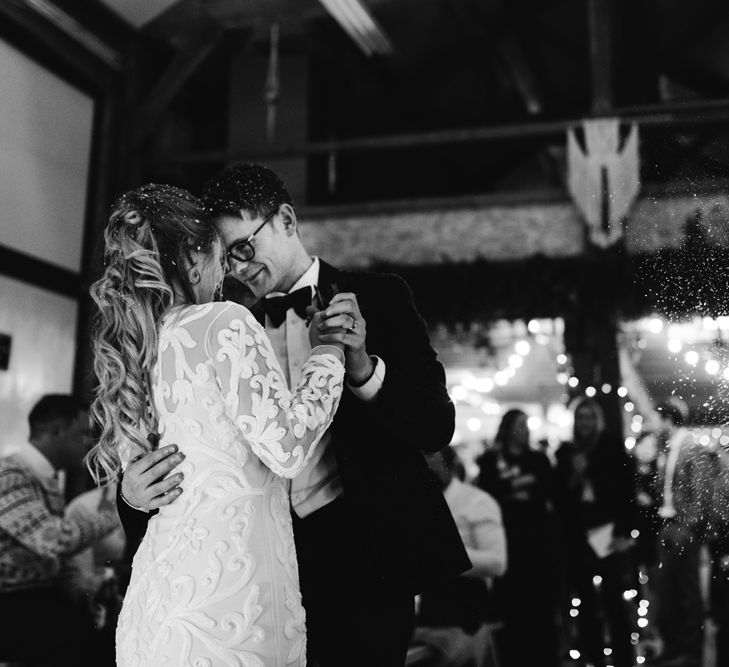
pixel 641 615
pixel 681 341
pixel 475 391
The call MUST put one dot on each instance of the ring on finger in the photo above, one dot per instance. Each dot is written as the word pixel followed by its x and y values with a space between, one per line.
pixel 352 328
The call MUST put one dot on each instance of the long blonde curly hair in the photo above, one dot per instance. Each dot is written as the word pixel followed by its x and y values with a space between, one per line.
pixel 150 234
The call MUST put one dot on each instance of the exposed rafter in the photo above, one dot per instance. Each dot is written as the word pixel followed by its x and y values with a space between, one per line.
pixel 71 27
pixel 684 115
pixel 599 15
pixel 197 46
pixel 359 23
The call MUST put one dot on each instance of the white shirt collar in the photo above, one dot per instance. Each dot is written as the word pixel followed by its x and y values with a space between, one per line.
pixel 36 461
pixel 453 489
pixel 310 278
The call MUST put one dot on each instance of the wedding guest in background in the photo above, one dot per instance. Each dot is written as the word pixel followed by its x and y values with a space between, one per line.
pixel 453 616
pixel 520 479
pixel 647 501
pixel 685 484
pixel 97 576
pixel 720 600
pixel 39 622
pixel 594 492
pixel 85 571
pixel 648 524
pixel 466 601
pixel 718 538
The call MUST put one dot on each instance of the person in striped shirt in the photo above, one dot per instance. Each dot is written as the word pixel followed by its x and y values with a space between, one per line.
pixel 35 538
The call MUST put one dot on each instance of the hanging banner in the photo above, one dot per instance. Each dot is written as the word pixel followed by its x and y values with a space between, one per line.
pixel 603 178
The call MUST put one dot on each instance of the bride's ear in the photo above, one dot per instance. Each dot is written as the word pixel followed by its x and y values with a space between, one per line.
pixel 192 256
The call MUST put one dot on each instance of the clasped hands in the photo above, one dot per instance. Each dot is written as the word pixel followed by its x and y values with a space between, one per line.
pixel 147 483
pixel 341 323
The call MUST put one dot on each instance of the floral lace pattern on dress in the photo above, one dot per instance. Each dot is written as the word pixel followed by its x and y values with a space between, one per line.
pixel 215 581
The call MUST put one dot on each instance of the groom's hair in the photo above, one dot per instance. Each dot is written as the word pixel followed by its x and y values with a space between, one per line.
pixel 245 187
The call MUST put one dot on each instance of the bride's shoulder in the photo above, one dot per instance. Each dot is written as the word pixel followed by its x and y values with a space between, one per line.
pixel 223 313
pixel 227 322
pixel 217 313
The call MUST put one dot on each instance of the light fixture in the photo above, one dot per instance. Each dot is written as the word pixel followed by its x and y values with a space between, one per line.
pixel 674 345
pixel 534 422
pixel 522 347
pixel 655 325
pixel 355 19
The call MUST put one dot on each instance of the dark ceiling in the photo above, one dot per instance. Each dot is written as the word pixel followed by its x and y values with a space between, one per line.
pixel 472 64
pixel 475 98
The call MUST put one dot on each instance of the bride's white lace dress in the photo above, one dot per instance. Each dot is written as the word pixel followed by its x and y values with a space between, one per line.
pixel 215 580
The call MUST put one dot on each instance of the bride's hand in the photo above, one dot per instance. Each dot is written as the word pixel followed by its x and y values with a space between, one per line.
pixel 343 322
pixel 315 332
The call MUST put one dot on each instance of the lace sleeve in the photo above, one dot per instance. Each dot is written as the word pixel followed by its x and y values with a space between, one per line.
pixel 282 427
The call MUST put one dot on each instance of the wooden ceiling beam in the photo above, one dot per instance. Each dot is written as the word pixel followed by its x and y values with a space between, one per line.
pixel 599 15
pixel 63 44
pixel 197 46
pixel 714 112
pixel 103 22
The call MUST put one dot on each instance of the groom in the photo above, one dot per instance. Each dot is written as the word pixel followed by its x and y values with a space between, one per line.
pixel 371 526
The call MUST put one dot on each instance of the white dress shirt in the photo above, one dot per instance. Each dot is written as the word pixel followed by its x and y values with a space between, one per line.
pixel 319 483
pixel 668 511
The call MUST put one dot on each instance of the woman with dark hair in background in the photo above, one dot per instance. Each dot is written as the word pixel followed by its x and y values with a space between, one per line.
pixel 214 581
pixel 520 478
pixel 594 492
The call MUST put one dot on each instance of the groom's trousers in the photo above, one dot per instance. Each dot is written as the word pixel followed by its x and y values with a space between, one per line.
pixel 354 617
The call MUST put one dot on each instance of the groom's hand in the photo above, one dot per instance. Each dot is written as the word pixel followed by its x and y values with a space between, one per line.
pixel 146 483
pixel 342 322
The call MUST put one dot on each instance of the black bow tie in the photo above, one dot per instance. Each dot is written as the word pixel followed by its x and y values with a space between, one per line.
pixel 277 306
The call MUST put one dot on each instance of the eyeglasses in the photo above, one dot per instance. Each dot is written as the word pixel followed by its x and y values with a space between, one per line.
pixel 243 250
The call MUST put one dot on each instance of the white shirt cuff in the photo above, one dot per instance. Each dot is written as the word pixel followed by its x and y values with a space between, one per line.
pixel 369 390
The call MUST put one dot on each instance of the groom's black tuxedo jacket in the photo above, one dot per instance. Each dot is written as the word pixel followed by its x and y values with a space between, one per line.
pixel 393 500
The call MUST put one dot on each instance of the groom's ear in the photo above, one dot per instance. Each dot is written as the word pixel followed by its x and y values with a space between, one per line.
pixel 288 218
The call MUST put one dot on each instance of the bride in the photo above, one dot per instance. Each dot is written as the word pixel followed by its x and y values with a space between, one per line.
pixel 215 579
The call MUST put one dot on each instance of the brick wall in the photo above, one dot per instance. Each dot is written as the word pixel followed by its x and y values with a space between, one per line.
pixel 499 233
